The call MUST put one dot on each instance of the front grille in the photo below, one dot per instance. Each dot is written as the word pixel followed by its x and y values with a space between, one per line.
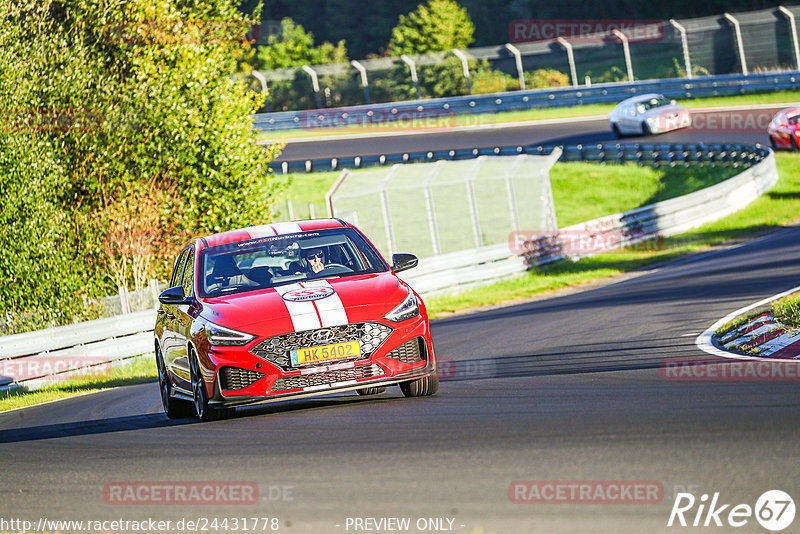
pixel 408 352
pixel 328 377
pixel 276 349
pixel 234 378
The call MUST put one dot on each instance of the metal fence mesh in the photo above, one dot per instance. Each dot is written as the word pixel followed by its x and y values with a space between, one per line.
pixel 447 206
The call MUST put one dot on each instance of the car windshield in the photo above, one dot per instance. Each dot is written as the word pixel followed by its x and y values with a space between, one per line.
pixel 277 260
pixel 655 102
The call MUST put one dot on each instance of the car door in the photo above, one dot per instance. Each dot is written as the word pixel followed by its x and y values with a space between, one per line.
pixel 182 324
pixel 629 122
pixel 166 312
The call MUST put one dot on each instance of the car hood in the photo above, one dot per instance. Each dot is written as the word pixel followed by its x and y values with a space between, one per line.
pixel 266 312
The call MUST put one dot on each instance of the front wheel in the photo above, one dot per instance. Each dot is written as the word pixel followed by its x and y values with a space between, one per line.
pixel 646 129
pixel 422 387
pixel 616 130
pixel 174 408
pixel 203 409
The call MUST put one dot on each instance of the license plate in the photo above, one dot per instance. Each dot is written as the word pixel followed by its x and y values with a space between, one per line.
pixel 324 353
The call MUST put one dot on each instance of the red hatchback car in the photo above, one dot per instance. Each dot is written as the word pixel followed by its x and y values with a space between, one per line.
pixel 783 129
pixel 288 310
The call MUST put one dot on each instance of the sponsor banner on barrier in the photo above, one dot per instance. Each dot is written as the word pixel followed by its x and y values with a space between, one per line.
pixel 585 30
pixel 586 492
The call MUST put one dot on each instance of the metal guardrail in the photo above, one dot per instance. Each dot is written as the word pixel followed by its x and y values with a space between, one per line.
pixel 124 336
pixel 64 349
pixel 670 217
pixel 439 109
pixel 641 153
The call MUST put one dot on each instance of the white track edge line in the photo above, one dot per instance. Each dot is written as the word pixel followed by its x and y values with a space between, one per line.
pixel 704 343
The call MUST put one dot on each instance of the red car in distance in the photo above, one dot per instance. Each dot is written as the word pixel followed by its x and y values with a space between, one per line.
pixel 783 129
pixel 288 310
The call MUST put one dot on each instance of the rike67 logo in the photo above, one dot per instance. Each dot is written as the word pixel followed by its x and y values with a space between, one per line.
pixel 774 510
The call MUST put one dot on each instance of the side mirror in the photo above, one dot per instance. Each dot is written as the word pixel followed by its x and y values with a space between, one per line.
pixel 403 262
pixel 174 296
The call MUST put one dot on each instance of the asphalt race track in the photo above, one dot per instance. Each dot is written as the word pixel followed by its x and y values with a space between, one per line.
pixel 736 126
pixel 563 389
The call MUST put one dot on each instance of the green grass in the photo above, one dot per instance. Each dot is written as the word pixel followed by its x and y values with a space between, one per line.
pixel 540 114
pixel 787 310
pixel 612 188
pixel 777 207
pixel 134 371
pixel 737 322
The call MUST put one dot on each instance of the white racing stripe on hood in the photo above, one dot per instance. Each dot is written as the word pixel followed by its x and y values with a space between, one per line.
pixel 287 228
pixel 330 308
pixel 303 314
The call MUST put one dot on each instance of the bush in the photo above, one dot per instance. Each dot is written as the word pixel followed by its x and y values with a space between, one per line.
pixel 120 106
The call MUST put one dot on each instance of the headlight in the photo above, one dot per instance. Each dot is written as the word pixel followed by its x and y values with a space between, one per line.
pixel 405 310
pixel 221 336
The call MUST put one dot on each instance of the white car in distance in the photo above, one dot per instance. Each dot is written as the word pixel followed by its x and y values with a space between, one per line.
pixel 646 115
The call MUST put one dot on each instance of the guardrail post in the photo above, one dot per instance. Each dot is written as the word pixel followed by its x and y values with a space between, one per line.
pixel 123 300
pixel 364 83
pixel 290 210
pixel 314 83
pixel 738 31
pixel 571 58
pixel 626 50
pixel 465 65
pixel 430 208
pixel 687 61
pixel 473 204
pixel 789 15
pixel 264 89
pixel 330 193
pixel 387 214
pixel 154 291
pixel 518 60
pixel 413 68
pixel 512 200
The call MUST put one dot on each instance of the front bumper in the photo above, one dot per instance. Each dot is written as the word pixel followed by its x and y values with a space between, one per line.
pixel 258 380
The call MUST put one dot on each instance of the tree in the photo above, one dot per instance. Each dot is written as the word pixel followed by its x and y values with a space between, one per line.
pixel 295 47
pixel 100 99
pixel 433 27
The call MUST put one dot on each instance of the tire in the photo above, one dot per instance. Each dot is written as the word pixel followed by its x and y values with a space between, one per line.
pixel 203 410
pixel 772 144
pixel 174 408
pixel 646 129
pixel 371 391
pixel 422 387
pixel 615 129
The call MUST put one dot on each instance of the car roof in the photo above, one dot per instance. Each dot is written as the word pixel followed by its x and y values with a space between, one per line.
pixel 641 98
pixel 267 230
